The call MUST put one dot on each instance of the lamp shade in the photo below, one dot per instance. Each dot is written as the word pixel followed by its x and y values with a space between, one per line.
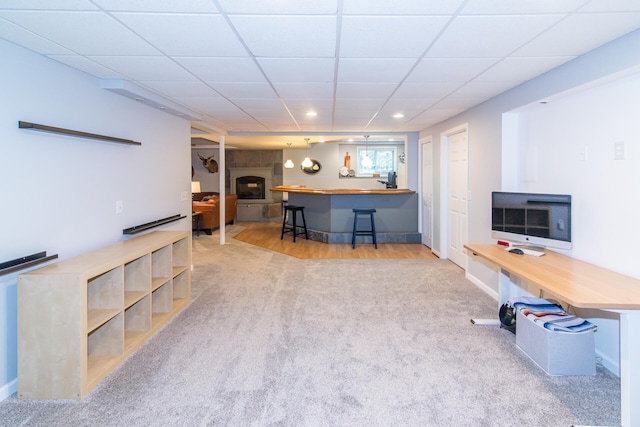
pixel 195 187
pixel 288 164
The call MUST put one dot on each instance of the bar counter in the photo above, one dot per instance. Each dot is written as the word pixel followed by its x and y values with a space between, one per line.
pixel 329 213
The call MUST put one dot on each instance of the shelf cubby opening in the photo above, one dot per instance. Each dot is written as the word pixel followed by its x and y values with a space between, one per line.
pixel 137 280
pixel 181 253
pixel 181 286
pixel 105 345
pixel 105 291
pixel 137 322
pixel 162 299
pixel 161 262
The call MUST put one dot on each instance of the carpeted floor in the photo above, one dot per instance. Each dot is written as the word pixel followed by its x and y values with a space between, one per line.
pixel 272 340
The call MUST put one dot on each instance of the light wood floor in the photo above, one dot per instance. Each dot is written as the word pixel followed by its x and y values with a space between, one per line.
pixel 267 235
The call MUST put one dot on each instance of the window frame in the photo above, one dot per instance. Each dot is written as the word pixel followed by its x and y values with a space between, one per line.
pixel 378 172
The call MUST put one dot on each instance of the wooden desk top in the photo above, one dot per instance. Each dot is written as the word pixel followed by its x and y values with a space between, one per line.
pixel 325 191
pixel 570 280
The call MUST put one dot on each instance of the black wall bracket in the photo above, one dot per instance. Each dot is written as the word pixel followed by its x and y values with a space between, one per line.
pixel 51 129
pixel 25 262
pixel 148 225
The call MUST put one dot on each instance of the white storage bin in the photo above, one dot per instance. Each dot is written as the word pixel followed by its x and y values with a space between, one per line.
pixel 558 353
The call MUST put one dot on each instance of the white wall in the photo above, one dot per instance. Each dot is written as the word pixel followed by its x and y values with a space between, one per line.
pixel 59 193
pixel 586 109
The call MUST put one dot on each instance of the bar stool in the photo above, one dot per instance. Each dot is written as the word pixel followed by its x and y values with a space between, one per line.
pixel 371 232
pixel 294 228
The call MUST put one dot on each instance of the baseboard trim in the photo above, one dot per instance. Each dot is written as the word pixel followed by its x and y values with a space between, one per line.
pixel 492 293
pixel 8 389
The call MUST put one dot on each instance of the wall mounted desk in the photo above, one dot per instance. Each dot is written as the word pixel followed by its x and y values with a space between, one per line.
pixel 582 285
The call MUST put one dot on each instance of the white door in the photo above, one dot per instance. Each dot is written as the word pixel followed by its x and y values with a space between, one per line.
pixel 427 194
pixel 457 197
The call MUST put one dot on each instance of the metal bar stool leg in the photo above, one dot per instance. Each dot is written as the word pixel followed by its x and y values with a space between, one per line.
pixel 304 223
pixel 355 228
pixel 373 230
pixel 295 227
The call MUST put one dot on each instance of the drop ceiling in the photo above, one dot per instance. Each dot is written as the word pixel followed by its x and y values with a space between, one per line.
pixel 253 69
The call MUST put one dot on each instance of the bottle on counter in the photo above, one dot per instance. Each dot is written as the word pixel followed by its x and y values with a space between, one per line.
pixel 347 160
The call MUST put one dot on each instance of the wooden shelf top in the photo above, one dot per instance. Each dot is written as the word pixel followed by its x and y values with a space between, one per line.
pixel 570 280
pixel 337 191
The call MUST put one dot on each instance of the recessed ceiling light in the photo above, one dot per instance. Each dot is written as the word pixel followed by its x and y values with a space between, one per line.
pixel 311 113
pixel 398 116
pixel 321 140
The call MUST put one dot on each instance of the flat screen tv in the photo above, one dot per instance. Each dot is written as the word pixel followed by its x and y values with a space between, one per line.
pixel 539 220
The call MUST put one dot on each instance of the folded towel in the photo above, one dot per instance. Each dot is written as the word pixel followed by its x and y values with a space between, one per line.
pixel 550 316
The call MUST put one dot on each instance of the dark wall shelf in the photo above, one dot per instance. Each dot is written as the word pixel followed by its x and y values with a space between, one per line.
pixel 148 225
pixel 25 262
pixel 61 131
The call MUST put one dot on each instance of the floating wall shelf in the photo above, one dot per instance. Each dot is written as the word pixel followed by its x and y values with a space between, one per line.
pixel 25 262
pixel 148 225
pixel 61 131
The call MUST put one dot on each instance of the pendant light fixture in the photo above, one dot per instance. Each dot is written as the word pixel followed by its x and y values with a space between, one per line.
pixel 307 163
pixel 288 164
pixel 366 160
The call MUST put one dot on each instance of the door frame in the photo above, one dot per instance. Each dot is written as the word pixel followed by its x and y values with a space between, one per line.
pixel 423 142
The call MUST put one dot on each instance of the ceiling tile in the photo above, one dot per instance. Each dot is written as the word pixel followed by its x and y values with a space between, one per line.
pixel 521 7
pixel 486 89
pixel 521 69
pixel 425 90
pixel 449 70
pixel 298 69
pixel 388 36
pixel 489 36
pixel 191 6
pixel 309 104
pixel 280 7
pixel 180 88
pixel 101 34
pixel 217 70
pixel 365 90
pixel 245 90
pixel 580 33
pixel 27 39
pixel 257 104
pixel 185 34
pixel 400 7
pixel 144 67
pixel 48 4
pixel 87 65
pixel 612 6
pixel 373 70
pixel 318 91
pixel 288 36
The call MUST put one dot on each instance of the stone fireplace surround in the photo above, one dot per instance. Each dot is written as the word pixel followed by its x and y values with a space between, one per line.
pixel 265 163
pixel 256 210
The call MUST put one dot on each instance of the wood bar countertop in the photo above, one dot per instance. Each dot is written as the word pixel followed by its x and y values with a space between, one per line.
pixel 576 282
pixel 338 191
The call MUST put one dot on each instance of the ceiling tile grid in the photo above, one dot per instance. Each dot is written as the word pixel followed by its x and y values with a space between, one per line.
pixel 258 67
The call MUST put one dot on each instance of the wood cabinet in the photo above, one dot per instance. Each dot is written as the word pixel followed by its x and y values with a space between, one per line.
pixel 80 318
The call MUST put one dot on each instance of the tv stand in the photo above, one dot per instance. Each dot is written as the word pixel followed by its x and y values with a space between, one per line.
pixel 582 285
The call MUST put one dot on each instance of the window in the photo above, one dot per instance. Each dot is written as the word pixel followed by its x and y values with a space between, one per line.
pixel 383 158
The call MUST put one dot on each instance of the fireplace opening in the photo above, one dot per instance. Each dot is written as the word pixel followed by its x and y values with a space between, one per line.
pixel 250 187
